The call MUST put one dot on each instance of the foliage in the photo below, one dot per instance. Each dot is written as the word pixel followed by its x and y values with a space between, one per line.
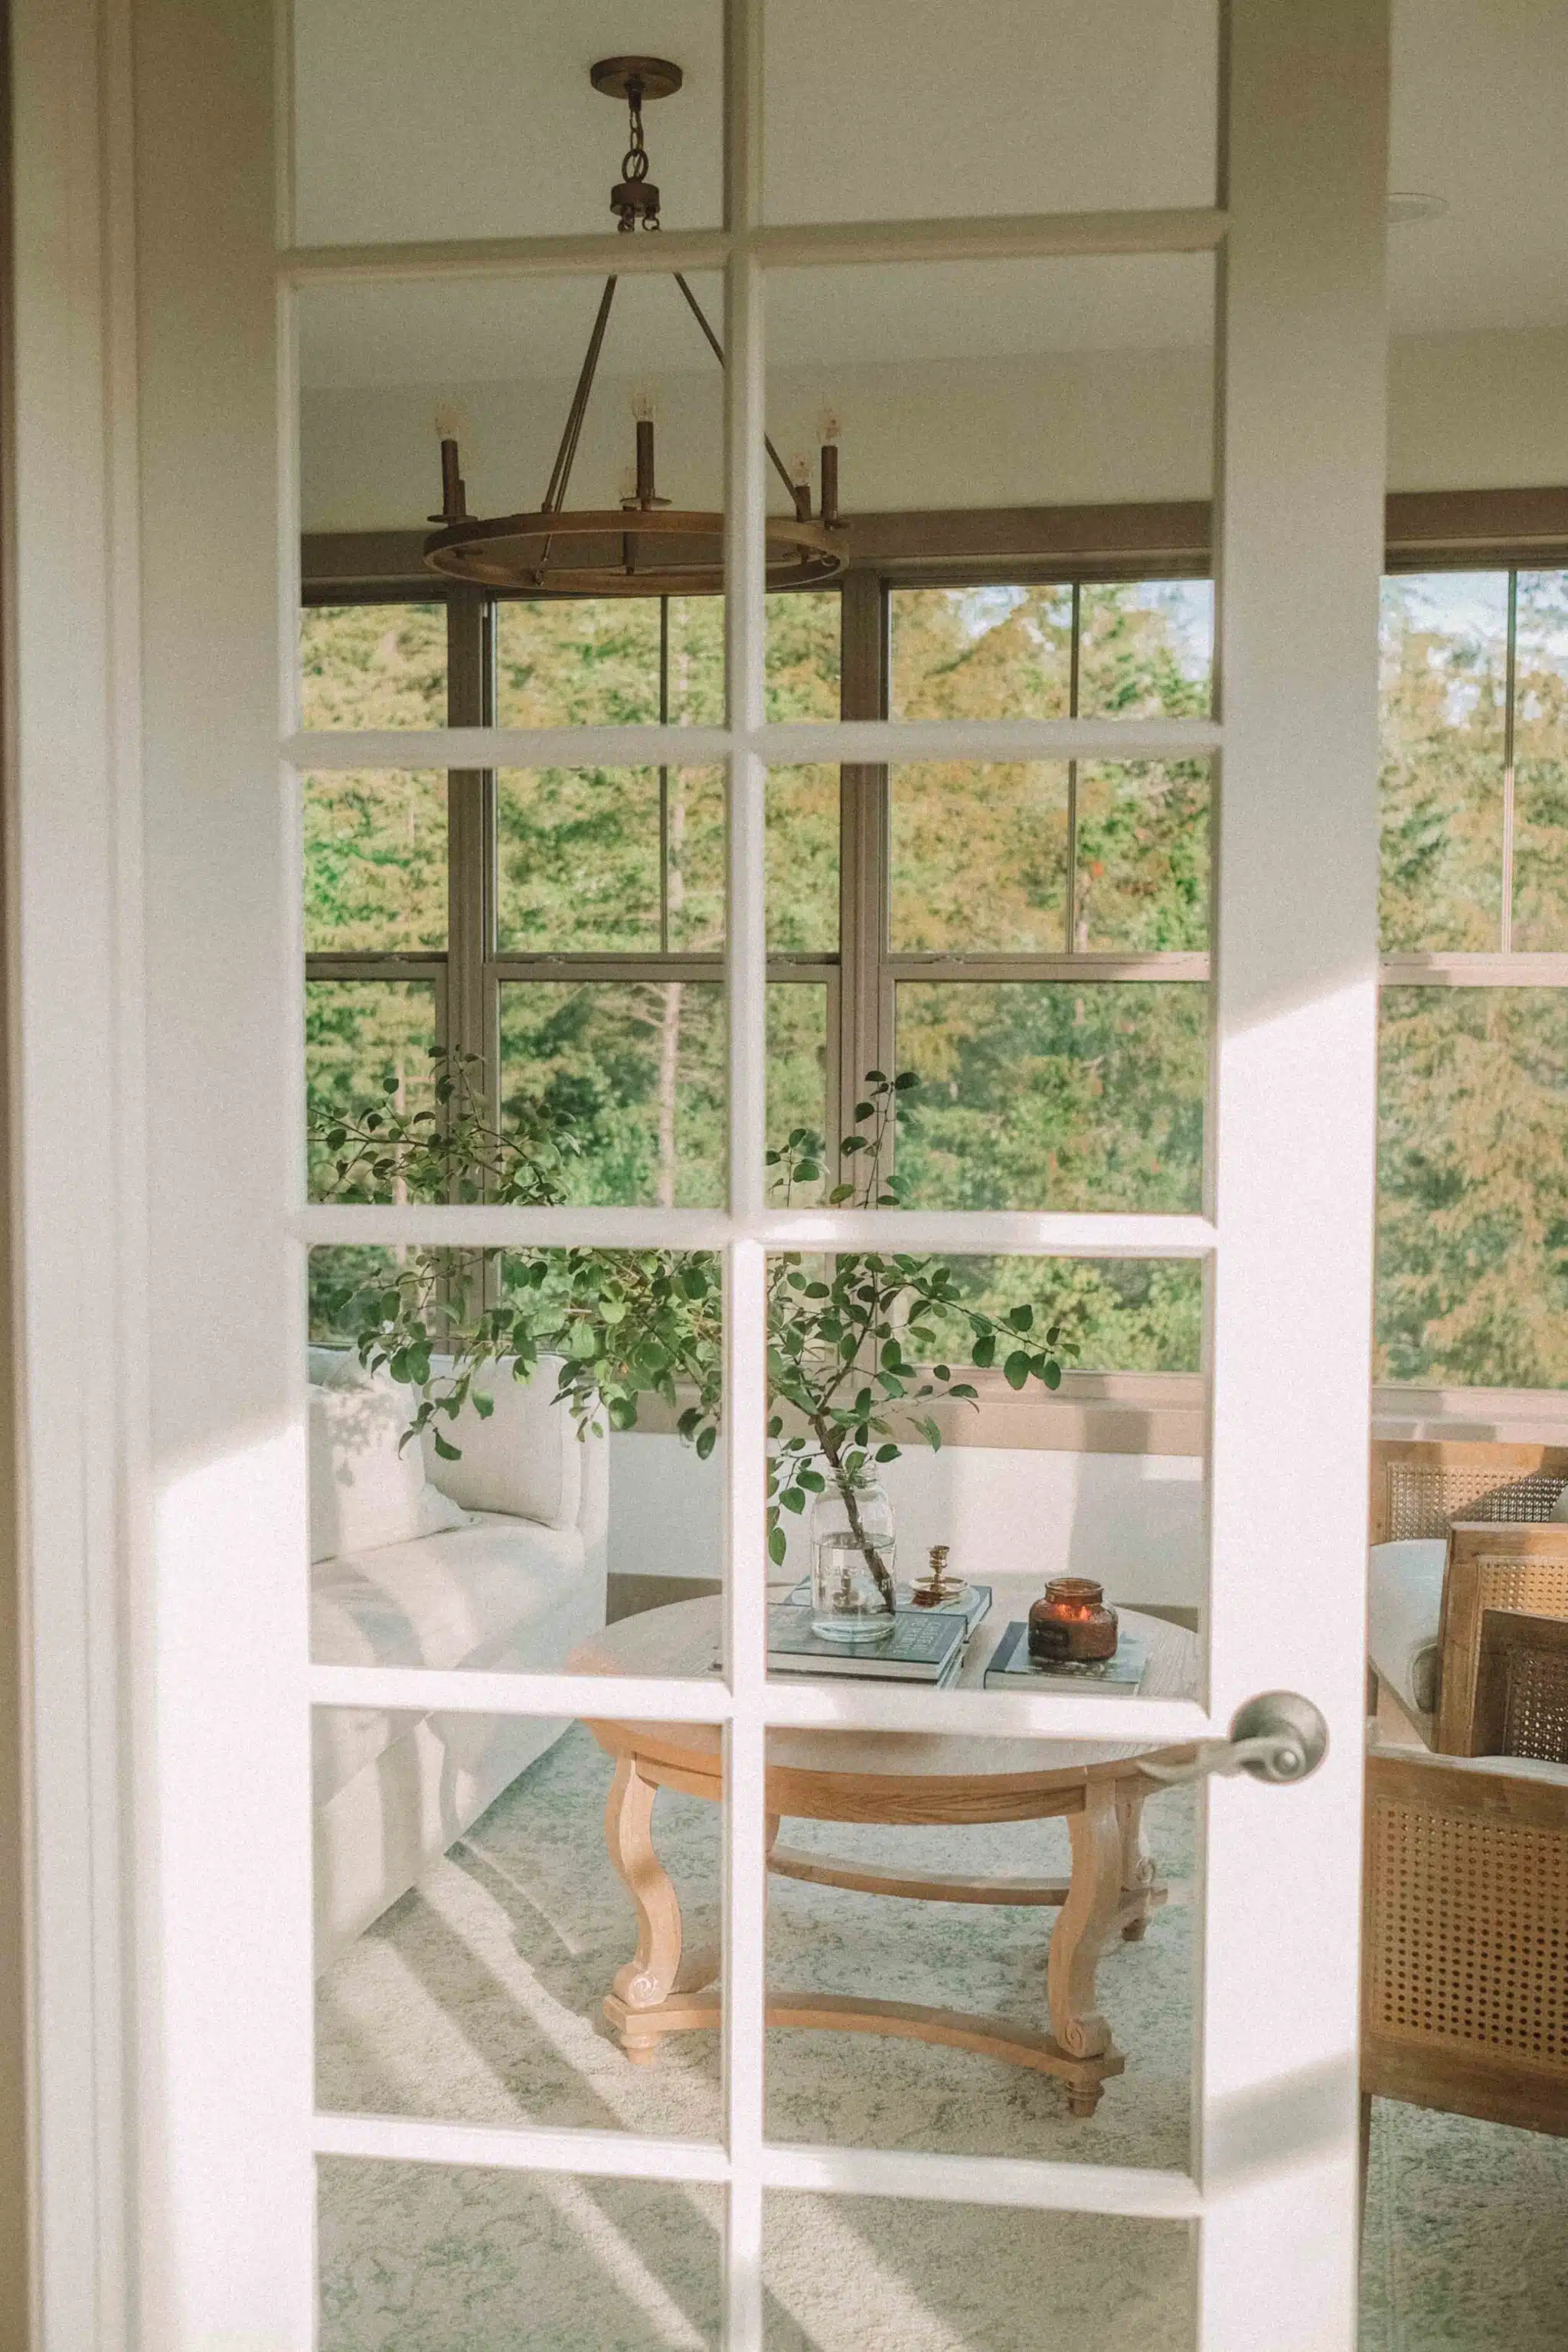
pixel 623 1322
pixel 843 1382
pixel 1473 1186
pixel 448 1150
pixel 1540 766
pixel 375 842
pixel 1472 1257
pixel 1045 1093
pixel 641 1063
pixel 1444 675
pixel 840 1337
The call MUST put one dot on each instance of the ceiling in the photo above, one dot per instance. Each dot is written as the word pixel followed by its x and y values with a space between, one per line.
pixel 423 119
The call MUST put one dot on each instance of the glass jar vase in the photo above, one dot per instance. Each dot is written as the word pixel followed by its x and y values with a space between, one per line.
pixel 852 1554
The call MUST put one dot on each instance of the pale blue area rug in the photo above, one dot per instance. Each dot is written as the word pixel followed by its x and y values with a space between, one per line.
pixel 477 2000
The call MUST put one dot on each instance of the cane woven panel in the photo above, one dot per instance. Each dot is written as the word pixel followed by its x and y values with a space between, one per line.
pixel 1468 1943
pixel 1535 1711
pixel 1539 1587
pixel 1423 1497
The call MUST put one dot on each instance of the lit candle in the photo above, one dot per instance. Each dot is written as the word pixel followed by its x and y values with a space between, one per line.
pixel 1072 1621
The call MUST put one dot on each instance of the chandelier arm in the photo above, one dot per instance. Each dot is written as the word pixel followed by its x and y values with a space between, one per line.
pixel 561 473
pixel 717 348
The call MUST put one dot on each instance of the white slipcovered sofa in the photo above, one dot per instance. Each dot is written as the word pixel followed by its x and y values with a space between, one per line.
pixel 1404 1613
pixel 495 1560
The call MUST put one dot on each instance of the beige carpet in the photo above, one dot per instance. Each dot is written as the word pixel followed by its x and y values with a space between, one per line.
pixel 477 1999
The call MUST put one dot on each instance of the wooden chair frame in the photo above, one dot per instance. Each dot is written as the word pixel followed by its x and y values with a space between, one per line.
pixel 1465 1940
pixel 1490 1570
pixel 1521 1688
pixel 1493 1503
pixel 1420 1486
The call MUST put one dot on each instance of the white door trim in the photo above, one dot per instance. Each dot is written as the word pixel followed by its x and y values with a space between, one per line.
pixel 162 1259
pixel 74 857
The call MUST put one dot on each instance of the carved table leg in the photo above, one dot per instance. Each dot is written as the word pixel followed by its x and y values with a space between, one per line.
pixel 771 1824
pixel 1094 1898
pixel 647 1979
pixel 1137 1862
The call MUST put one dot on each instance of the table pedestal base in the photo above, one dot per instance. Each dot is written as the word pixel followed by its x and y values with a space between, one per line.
pixel 639 2031
pixel 1111 1889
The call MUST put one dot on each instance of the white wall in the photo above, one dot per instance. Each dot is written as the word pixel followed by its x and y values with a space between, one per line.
pixel 1134 1520
pixel 1478 411
pixel 943 432
pixel 1471 411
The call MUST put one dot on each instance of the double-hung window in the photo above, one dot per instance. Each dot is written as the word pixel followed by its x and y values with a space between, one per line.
pixel 1472 1283
pixel 1031 937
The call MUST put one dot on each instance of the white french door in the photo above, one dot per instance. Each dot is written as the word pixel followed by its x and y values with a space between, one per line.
pixel 217 2180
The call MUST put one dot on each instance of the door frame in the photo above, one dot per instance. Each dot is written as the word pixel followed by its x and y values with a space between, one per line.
pixel 164 1472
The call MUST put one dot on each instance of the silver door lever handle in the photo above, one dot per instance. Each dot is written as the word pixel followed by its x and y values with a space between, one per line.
pixel 1278 1735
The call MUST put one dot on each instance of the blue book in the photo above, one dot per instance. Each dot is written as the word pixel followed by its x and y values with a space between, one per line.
pixel 922 1648
pixel 1011 1668
pixel 971 1608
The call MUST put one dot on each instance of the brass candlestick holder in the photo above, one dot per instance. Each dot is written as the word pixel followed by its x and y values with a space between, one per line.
pixel 937 1590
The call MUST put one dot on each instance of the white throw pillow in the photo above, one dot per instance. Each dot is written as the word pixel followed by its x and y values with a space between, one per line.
pixel 365 1492
pixel 525 1459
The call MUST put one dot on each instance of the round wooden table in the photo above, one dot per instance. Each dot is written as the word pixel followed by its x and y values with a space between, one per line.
pixel 901 1779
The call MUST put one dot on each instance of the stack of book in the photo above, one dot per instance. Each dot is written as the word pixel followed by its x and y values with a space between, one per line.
pixel 971 1604
pixel 1011 1668
pixel 926 1645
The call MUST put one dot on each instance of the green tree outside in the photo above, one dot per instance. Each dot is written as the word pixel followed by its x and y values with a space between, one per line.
pixel 1049 1094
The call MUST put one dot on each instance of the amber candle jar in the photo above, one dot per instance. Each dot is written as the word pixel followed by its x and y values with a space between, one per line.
pixel 1071 1621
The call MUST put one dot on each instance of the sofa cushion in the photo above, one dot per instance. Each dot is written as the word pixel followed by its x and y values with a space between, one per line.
pixel 443 1601
pixel 367 1489
pixel 1404 1607
pixel 525 1459
pixel 470 1599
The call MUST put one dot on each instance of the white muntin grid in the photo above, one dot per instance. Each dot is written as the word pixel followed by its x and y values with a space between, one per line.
pixel 1298 247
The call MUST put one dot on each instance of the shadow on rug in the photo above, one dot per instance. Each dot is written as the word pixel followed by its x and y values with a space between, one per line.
pixel 477 1999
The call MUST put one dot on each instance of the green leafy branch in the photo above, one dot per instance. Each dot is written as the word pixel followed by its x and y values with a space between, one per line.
pixel 854 1354
pixel 853 1360
pixel 448 1150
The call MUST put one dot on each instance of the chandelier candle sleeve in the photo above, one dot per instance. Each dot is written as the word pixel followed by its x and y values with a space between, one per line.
pixel 454 490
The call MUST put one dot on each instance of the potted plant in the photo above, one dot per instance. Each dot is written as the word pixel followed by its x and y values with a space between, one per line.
pixel 855 1340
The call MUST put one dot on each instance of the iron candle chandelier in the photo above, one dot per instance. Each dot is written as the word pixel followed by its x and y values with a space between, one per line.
pixel 645 546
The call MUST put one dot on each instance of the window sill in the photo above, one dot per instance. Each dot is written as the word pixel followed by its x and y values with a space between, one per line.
pixel 1166 1413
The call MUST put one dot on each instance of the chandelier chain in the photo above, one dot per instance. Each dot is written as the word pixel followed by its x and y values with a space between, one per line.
pixel 647 547
pixel 635 199
pixel 634 162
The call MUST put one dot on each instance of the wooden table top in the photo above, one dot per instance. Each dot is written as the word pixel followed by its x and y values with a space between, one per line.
pixel 683 1638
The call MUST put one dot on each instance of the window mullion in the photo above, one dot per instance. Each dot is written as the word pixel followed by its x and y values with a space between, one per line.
pixel 865 1020
pixel 664 779
pixel 470 829
pixel 1070 907
pixel 745 1269
pixel 1510 674
pixel 467 1001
